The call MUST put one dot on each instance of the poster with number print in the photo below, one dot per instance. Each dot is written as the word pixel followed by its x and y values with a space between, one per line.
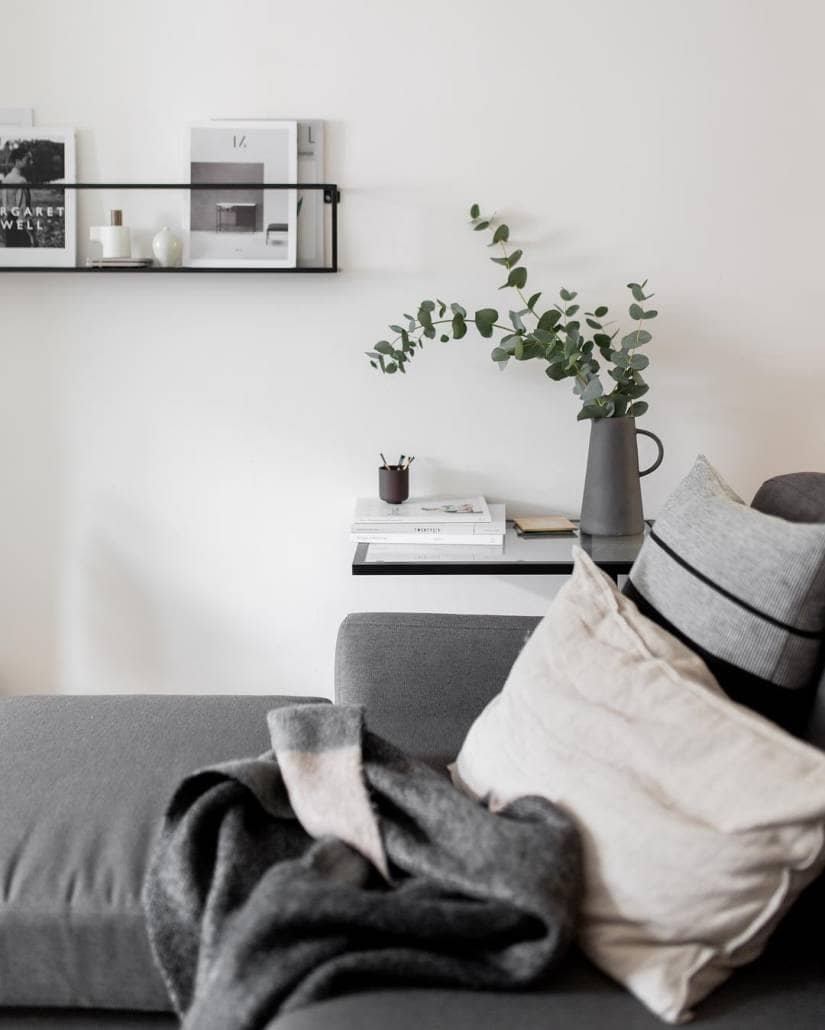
pixel 246 225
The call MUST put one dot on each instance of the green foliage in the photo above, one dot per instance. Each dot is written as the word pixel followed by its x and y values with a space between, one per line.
pixel 556 338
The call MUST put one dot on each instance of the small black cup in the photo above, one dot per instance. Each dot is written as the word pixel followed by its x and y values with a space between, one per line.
pixel 393 484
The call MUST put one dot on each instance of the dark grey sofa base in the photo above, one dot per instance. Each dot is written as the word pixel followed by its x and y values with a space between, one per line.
pixel 85 1019
pixel 766 997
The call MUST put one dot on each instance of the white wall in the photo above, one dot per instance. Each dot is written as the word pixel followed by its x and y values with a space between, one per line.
pixel 178 456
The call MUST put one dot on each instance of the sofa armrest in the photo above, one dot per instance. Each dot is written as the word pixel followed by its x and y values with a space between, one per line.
pixel 424 678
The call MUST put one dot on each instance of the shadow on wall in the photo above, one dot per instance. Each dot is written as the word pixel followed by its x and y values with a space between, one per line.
pixel 32 500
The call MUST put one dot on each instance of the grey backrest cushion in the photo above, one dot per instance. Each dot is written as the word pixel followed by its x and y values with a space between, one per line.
pixel 797 497
pixel 83 784
pixel 424 678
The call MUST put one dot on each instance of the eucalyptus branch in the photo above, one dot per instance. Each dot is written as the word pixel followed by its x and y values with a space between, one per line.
pixel 557 338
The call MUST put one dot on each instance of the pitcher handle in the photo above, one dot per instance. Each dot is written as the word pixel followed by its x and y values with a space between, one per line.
pixel 658 442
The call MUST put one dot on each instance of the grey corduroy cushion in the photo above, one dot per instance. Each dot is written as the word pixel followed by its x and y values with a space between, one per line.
pixel 83 784
pixel 743 589
pixel 799 497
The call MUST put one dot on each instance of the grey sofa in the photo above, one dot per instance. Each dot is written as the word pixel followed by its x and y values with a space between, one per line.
pixel 84 780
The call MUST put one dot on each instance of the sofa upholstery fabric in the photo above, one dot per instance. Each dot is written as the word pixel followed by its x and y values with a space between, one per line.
pixel 83 785
pixel 424 685
pixel 798 497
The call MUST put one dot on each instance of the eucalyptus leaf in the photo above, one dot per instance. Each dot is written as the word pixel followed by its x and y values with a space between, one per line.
pixel 639 361
pixel 475 211
pixel 531 303
pixel 636 313
pixel 459 327
pixel 549 319
pixel 481 225
pixel 567 295
pixel 637 338
pixel 515 257
pixel 457 309
pixel 501 235
pixel 593 390
pixel 638 408
pixel 425 318
pixel 517 278
pixel 384 347
pixel 601 311
pixel 485 319
pixel 499 354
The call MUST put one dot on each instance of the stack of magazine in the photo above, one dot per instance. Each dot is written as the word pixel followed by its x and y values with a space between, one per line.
pixel 439 521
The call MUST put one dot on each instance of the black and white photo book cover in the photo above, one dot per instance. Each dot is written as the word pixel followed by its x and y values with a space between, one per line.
pixel 37 215
pixel 246 225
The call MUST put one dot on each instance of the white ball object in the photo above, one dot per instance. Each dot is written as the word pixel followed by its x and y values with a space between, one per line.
pixel 167 247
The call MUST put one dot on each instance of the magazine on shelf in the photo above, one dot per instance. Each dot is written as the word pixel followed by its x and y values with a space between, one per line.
pixel 434 553
pixel 312 222
pixel 445 510
pixel 230 220
pixel 438 533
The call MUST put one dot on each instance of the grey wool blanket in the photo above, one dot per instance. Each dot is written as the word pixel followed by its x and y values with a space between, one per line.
pixel 335 863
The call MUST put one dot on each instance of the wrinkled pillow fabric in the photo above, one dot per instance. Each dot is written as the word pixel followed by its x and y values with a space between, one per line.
pixel 743 589
pixel 701 821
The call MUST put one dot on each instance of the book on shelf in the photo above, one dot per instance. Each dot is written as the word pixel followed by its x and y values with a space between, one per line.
pixel 422 510
pixel 477 534
pixel 544 525
pixel 428 552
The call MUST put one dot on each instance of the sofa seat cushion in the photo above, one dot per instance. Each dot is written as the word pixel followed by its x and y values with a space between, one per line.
pixel 83 785
pixel 785 988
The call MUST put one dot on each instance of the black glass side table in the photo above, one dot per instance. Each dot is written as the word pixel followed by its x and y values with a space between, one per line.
pixel 519 556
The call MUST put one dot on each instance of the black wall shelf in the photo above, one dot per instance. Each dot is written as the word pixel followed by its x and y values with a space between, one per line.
pixel 332 196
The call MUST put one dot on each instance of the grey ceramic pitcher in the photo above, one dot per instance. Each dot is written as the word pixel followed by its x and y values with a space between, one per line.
pixel 612 501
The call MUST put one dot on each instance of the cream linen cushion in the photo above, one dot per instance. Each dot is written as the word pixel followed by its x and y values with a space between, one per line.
pixel 701 821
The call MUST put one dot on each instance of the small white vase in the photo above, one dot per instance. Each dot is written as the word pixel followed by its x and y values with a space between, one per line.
pixel 166 247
